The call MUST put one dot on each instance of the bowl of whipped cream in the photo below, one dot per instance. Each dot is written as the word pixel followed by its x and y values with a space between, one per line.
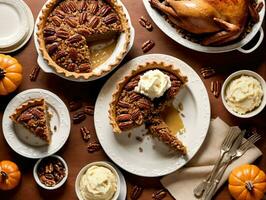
pixel 97 181
pixel 243 94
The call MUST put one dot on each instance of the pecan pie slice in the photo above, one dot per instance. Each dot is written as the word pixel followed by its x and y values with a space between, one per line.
pixel 34 116
pixel 68 29
pixel 130 109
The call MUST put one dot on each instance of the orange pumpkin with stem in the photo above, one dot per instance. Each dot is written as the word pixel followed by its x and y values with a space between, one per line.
pixel 9 175
pixel 10 74
pixel 247 182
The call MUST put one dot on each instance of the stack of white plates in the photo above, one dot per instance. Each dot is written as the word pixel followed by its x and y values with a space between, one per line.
pixel 16 25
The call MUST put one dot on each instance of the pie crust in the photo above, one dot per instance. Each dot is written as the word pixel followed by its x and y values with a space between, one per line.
pixel 45 135
pixel 152 120
pixel 94 73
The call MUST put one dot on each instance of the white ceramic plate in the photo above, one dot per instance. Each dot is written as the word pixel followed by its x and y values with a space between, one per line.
pixel 46 68
pixel 124 151
pixel 172 33
pixel 16 22
pixel 27 144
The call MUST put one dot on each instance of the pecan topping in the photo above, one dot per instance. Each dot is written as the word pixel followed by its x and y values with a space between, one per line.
pixel 75 38
pixel 110 19
pixel 83 6
pixel 126 125
pixel 61 54
pixel 85 133
pixel 56 21
pixel 93 147
pixel 52 47
pixel 136 192
pixel 73 54
pixel 135 114
pixel 94 21
pixel 60 14
pixel 147 46
pixel 64 7
pixel 25 117
pixel 159 195
pixel 78 117
pixel 134 97
pixel 74 105
pixel 83 31
pixel 93 7
pixel 143 104
pixel 123 117
pixel 103 11
pixel 71 67
pixel 123 104
pixel 50 39
pixel 131 85
pixel 62 34
pixel 85 67
pixel 48 31
pixel 89 110
pixel 72 6
pixel 71 22
pixel 34 73
pixel 82 18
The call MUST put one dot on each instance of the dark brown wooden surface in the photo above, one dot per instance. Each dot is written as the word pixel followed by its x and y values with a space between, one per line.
pixel 74 151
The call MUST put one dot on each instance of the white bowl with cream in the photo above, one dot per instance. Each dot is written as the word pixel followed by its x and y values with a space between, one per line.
pixel 243 94
pixel 97 181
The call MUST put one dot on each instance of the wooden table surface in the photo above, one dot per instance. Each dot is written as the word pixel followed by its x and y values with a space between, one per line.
pixel 74 151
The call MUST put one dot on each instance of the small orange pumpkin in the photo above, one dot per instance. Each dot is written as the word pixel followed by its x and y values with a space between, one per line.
pixel 10 74
pixel 9 175
pixel 247 182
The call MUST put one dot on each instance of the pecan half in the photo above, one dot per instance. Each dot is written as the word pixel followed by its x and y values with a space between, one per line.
pixel 50 39
pixel 73 54
pixel 93 7
pixel 72 6
pixel 134 97
pixel 85 133
pixel 123 117
pixel 83 31
pixel 145 23
pixel 48 31
pixel 103 11
pixel 83 18
pixel 71 22
pixel 126 125
pixel 61 54
pixel 74 105
pixel 110 19
pixel 123 104
pixel 136 192
pixel 60 14
pixel 93 147
pixel 84 67
pixel 71 67
pixel 89 110
pixel 83 6
pixel 56 21
pixel 159 195
pixel 75 38
pixel 62 34
pixel 143 104
pixel 52 47
pixel 78 117
pixel 34 73
pixel 131 85
pixel 93 22
pixel 147 46
pixel 135 114
pixel 25 117
pixel 64 7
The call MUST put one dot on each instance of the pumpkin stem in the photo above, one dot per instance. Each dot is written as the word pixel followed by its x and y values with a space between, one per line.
pixel 249 186
pixel 3 176
pixel 2 73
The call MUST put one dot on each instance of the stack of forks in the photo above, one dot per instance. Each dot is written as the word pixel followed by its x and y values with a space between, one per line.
pixel 232 148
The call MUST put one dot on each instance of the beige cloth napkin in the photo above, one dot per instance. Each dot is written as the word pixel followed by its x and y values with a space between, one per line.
pixel 182 182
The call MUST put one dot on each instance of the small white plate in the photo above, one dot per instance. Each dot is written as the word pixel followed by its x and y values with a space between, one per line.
pixel 152 162
pixel 28 145
pixel 16 22
pixel 47 69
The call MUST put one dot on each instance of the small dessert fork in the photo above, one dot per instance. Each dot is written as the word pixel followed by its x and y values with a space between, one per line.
pixel 225 147
pixel 239 152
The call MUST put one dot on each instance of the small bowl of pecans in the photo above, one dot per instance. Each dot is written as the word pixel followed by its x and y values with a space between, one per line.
pixel 50 172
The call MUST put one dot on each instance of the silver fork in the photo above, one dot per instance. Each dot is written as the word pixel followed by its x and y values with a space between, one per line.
pixel 239 152
pixel 225 147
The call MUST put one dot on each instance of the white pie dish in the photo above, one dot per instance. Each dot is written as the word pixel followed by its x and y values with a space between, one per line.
pixel 235 75
pixel 37 180
pixel 103 69
pixel 160 21
pixel 99 163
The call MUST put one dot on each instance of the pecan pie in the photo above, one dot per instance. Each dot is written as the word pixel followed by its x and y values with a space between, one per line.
pixel 34 116
pixel 69 29
pixel 130 109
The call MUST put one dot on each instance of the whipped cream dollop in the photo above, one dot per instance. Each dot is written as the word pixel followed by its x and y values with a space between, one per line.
pixel 244 94
pixel 153 84
pixel 98 183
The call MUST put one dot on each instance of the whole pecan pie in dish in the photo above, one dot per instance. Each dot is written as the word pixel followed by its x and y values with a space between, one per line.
pixel 141 97
pixel 77 36
pixel 34 116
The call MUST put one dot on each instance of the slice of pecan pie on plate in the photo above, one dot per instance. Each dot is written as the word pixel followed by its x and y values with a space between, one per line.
pixel 141 97
pixel 34 116
pixel 77 36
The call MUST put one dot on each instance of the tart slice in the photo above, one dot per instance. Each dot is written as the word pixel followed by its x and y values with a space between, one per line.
pixel 141 96
pixel 34 116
